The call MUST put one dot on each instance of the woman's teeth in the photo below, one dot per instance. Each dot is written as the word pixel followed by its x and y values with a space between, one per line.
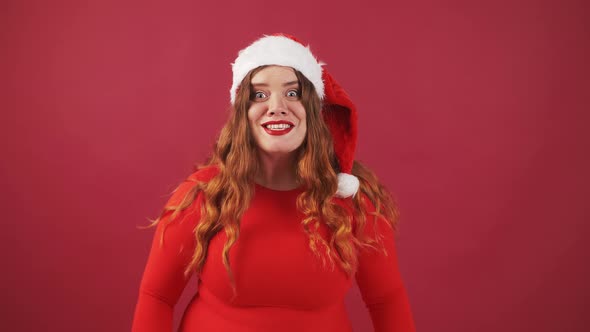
pixel 278 126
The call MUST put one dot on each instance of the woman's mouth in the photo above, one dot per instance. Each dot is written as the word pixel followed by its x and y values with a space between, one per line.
pixel 277 129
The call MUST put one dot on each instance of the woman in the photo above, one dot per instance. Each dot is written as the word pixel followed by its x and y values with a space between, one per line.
pixel 281 219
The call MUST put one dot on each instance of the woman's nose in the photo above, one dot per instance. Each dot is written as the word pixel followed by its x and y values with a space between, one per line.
pixel 277 105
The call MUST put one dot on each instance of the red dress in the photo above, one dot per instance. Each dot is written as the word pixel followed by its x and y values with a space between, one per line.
pixel 281 285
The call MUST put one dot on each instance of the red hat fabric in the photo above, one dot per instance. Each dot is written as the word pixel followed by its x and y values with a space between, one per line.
pixel 338 111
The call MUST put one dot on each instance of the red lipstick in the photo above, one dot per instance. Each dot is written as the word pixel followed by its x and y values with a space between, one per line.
pixel 277 128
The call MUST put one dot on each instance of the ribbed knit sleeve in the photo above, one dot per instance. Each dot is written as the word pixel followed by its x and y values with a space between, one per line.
pixel 163 279
pixel 380 282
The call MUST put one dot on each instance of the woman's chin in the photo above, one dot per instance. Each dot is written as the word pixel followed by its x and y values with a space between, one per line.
pixel 278 151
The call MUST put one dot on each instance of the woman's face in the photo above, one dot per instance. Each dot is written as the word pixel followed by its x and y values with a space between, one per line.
pixel 276 115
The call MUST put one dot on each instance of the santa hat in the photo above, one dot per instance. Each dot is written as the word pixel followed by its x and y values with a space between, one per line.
pixel 338 111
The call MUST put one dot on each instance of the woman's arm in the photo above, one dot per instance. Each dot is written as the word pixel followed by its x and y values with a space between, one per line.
pixel 163 279
pixel 380 282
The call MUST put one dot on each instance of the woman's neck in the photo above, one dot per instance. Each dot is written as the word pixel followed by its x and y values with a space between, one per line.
pixel 277 171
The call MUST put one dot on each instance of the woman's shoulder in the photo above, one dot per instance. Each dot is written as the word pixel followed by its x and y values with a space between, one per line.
pixel 348 203
pixel 190 184
pixel 204 174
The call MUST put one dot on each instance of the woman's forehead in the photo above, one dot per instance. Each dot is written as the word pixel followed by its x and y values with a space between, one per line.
pixel 274 75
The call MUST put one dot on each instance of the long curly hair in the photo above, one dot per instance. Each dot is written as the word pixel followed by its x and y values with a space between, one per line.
pixel 228 194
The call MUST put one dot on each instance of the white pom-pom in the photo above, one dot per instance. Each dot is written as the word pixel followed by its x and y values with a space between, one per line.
pixel 348 185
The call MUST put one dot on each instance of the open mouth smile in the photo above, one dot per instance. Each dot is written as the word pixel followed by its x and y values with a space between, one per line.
pixel 277 128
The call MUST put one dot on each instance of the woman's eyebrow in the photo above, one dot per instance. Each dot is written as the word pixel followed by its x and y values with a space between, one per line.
pixel 284 84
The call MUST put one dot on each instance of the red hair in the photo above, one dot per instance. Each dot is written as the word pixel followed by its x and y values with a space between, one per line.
pixel 235 158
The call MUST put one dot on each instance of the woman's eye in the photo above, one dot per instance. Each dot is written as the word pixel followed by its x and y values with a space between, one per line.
pixel 293 93
pixel 259 95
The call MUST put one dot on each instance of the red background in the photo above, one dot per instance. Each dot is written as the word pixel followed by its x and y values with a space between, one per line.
pixel 472 113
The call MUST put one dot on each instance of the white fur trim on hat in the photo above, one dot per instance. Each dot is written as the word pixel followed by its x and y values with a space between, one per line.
pixel 348 185
pixel 277 50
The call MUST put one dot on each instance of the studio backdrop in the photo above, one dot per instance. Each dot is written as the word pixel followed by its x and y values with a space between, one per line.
pixel 473 114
